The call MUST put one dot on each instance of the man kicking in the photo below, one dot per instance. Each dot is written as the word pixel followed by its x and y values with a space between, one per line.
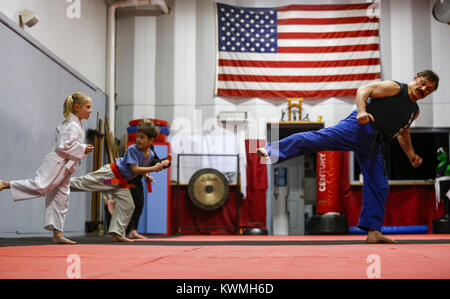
pixel 384 111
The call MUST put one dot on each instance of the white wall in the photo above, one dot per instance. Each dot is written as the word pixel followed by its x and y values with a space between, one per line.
pixel 166 64
pixel 80 42
pixel 410 40
pixel 33 86
pixel 135 78
pixel 440 59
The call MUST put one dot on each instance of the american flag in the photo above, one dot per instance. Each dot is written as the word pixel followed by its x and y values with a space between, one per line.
pixel 311 51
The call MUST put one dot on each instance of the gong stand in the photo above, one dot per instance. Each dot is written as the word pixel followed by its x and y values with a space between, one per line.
pixel 203 184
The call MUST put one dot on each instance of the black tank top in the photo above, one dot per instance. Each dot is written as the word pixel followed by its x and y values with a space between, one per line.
pixel 392 114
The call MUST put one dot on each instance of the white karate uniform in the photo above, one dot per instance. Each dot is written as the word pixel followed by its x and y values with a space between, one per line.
pixel 53 176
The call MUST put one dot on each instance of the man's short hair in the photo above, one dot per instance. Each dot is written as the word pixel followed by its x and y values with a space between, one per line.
pixel 430 75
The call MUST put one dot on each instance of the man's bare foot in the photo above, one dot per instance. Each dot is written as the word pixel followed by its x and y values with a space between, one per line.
pixel 374 237
pixel 118 238
pixel 4 185
pixel 110 205
pixel 133 234
pixel 58 238
pixel 262 153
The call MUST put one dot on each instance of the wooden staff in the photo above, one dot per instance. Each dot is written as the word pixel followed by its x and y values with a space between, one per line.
pixel 98 143
pixel 109 142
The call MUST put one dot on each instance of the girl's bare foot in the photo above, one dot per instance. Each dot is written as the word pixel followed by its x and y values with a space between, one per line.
pixel 133 234
pixel 118 238
pixel 58 238
pixel 374 237
pixel 4 185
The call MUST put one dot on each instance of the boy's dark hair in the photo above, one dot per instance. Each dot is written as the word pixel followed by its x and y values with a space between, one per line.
pixel 430 75
pixel 148 128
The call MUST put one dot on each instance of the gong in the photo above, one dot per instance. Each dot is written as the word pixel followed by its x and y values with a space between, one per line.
pixel 208 189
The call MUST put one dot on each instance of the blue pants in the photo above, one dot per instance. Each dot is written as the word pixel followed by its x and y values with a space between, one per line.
pixel 347 135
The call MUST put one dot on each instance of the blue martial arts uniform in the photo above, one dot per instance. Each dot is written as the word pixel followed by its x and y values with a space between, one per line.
pixel 347 135
pixel 394 113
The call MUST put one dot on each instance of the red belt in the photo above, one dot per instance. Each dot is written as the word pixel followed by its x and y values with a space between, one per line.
pixel 119 179
pixel 149 187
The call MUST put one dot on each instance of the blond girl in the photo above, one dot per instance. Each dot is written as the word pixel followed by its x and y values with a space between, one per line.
pixel 53 176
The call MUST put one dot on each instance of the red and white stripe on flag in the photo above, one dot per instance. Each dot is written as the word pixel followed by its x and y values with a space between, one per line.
pixel 310 51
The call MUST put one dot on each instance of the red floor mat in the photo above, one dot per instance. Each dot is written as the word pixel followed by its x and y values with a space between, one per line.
pixel 231 262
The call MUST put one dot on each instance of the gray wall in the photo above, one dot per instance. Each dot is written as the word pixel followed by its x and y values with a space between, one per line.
pixel 33 86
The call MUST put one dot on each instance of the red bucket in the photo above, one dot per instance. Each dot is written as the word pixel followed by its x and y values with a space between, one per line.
pixel 158 122
pixel 159 138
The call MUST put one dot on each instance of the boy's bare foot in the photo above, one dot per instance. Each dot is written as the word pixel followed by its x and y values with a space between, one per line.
pixel 62 241
pixel 118 238
pixel 4 185
pixel 133 234
pixel 374 237
pixel 110 205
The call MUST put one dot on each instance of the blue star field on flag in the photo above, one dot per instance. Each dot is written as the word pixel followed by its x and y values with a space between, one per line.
pixel 247 29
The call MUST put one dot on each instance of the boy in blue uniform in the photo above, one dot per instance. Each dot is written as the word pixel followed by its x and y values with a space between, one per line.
pixel 139 197
pixel 113 178
pixel 385 110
